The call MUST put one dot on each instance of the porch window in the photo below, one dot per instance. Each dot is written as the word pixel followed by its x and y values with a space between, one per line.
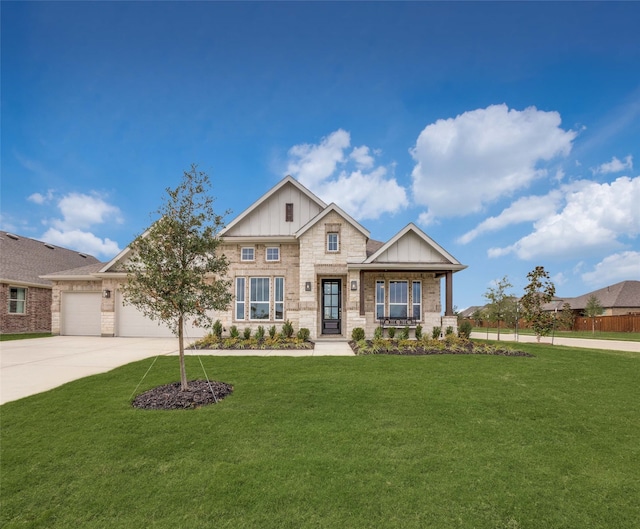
pixel 380 299
pixel 247 254
pixel 416 299
pixel 278 297
pixel 17 300
pixel 259 298
pixel 240 297
pixel 273 254
pixel 398 299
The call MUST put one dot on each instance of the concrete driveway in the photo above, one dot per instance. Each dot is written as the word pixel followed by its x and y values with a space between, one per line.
pixel 31 366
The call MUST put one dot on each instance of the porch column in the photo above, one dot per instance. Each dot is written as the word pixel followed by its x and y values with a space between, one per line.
pixel 449 294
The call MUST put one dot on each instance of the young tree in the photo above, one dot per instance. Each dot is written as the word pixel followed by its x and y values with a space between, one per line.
pixel 539 291
pixel 499 301
pixel 592 309
pixel 566 317
pixel 173 272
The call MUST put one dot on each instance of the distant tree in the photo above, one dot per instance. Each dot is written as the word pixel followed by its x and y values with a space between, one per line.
pixel 174 272
pixel 566 318
pixel 538 292
pixel 499 301
pixel 592 309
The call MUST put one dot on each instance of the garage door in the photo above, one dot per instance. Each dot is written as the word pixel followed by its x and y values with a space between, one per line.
pixel 80 313
pixel 133 323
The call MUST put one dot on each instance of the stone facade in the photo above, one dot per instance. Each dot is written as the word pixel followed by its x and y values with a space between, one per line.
pixel 37 316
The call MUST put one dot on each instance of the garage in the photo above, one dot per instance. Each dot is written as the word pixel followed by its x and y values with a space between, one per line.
pixel 80 313
pixel 130 322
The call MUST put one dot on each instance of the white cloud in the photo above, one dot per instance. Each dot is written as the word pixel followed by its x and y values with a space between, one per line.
pixel 614 166
pixel 618 267
pixel 465 162
pixel 594 219
pixel 39 198
pixel 82 241
pixel 365 192
pixel 525 209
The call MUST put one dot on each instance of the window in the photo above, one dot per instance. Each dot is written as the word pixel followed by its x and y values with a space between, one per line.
pixel 240 296
pixel 288 212
pixel 259 298
pixel 332 242
pixel 247 254
pixel 416 299
pixel 398 299
pixel 17 300
pixel 380 299
pixel 273 254
pixel 278 297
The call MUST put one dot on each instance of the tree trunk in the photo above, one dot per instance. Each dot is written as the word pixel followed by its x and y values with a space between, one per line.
pixel 183 371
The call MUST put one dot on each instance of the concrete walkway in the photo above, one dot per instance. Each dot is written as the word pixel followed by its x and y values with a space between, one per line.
pixel 32 366
pixel 610 345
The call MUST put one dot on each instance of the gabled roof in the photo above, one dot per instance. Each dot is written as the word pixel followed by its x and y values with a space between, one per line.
pixel 287 180
pixel 329 209
pixel 625 294
pixel 24 260
pixel 82 272
pixel 411 229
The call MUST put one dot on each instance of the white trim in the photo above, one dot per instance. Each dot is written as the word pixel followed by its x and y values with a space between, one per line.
pixel 324 213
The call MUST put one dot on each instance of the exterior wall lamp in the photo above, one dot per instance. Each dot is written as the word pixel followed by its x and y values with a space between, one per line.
pixel 106 293
pixel 354 285
pixel 307 286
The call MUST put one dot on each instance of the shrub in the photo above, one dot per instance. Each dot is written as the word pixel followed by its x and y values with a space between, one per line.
pixel 448 331
pixel 217 329
pixel 357 334
pixel 404 333
pixel 418 331
pixel 377 334
pixel 392 332
pixel 435 333
pixel 303 334
pixel 260 332
pixel 272 332
pixel 233 332
pixel 287 329
pixel 247 333
pixel 464 331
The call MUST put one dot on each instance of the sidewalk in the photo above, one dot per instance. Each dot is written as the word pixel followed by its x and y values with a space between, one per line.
pixel 610 345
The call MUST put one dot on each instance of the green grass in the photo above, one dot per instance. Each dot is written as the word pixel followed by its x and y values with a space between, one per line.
pixel 625 336
pixel 337 442
pixel 25 336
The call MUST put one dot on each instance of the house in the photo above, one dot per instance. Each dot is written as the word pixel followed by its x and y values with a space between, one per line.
pixel 291 257
pixel 616 300
pixel 25 297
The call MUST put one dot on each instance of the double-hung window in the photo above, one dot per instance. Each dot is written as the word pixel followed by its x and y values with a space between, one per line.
pixel 240 297
pixel 333 243
pixel 398 299
pixel 17 300
pixel 247 253
pixel 273 253
pixel 259 298
pixel 416 299
pixel 380 299
pixel 278 297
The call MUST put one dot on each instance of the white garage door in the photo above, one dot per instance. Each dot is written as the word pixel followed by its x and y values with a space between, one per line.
pixel 80 313
pixel 133 323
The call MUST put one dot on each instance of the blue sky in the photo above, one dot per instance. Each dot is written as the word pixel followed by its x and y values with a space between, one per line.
pixel 509 132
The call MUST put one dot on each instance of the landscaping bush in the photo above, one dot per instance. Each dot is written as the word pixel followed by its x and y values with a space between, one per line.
pixel 404 333
pixel 378 333
pixel 357 334
pixel 418 332
pixel 464 331
pixel 247 333
pixel 233 332
pixel 217 329
pixel 260 332
pixel 303 334
pixel 435 333
pixel 391 332
pixel 272 332
pixel 448 331
pixel 287 329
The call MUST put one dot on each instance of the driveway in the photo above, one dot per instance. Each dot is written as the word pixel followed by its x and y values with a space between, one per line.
pixel 31 366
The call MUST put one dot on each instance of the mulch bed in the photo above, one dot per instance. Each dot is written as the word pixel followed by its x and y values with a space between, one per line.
pixel 171 397
pixel 470 349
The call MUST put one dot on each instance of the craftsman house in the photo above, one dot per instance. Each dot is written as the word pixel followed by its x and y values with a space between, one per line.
pixel 292 257
pixel 25 297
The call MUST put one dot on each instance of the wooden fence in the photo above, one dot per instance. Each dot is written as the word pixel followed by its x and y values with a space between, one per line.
pixel 624 323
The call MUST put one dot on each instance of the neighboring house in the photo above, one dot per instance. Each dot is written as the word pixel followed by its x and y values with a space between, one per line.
pixel 25 298
pixel 616 300
pixel 291 257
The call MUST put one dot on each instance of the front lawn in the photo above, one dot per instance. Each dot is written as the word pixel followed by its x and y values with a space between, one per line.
pixel 444 441
pixel 24 336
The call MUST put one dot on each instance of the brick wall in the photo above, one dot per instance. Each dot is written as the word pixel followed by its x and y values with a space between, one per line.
pixel 38 312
